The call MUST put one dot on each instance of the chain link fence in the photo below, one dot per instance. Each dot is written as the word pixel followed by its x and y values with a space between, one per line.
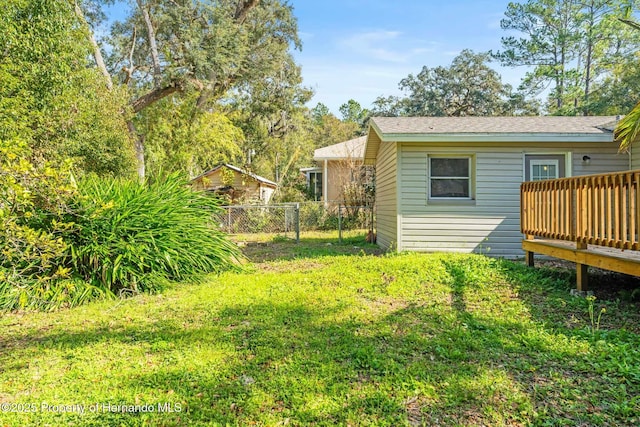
pixel 290 219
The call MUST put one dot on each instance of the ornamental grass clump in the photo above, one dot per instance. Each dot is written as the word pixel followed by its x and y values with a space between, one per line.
pixel 133 237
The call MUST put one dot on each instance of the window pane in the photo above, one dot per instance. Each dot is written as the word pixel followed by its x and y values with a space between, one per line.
pixel 450 188
pixel 449 167
pixel 543 171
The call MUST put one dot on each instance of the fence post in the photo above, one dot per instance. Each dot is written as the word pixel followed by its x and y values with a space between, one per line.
pixel 339 223
pixel 229 222
pixel 297 219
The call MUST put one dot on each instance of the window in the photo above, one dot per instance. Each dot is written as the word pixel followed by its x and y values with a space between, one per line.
pixel 538 167
pixel 315 185
pixel 450 177
pixel 543 169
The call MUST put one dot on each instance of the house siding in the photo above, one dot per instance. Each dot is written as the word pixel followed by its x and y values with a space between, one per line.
pixel 635 156
pixel 491 223
pixel 386 196
pixel 252 188
pixel 339 173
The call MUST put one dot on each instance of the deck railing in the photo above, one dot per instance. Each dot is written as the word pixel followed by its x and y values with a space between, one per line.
pixel 593 209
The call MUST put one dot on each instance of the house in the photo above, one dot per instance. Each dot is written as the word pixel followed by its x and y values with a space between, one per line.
pixel 337 165
pixel 635 155
pixel 453 183
pixel 239 185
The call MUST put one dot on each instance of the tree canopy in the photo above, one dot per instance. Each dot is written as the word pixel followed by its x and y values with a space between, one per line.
pixel 468 87
pixel 571 46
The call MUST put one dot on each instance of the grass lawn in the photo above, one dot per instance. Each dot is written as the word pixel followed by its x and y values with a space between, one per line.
pixel 332 335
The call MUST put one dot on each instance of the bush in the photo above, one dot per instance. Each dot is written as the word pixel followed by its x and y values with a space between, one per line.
pixel 63 246
pixel 133 237
pixel 34 199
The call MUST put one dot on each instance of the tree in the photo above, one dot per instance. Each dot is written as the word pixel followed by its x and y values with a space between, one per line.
pixel 175 47
pixel 468 87
pixel 328 129
pixel 388 106
pixel 50 96
pixel 188 140
pixel 271 113
pixel 549 42
pixel 628 128
pixel 571 45
pixel 352 111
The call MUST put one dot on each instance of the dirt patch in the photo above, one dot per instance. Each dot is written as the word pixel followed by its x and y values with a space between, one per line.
pixel 605 284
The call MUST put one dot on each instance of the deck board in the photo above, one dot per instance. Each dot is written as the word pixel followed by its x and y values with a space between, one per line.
pixel 622 261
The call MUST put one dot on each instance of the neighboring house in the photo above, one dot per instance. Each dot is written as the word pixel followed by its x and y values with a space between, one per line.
pixel 337 166
pixel 453 183
pixel 238 184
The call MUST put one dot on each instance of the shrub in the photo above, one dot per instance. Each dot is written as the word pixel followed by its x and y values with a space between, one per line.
pixel 132 237
pixel 63 245
pixel 34 199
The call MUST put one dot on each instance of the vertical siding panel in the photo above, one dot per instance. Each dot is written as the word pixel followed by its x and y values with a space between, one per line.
pixel 386 196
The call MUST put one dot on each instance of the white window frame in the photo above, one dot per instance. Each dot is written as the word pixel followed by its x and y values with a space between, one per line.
pixel 470 178
pixel 316 183
pixel 544 162
pixel 568 161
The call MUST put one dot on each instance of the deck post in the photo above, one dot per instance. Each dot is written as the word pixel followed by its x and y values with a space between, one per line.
pixel 582 277
pixel 529 254
pixel 529 258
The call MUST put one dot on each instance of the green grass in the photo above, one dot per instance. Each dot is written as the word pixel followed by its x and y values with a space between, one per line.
pixel 321 339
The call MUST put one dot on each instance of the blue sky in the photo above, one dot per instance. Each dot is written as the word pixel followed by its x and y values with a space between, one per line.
pixel 361 49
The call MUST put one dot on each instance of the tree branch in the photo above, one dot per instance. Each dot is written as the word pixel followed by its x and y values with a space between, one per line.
pixel 97 55
pixel 243 9
pixel 155 95
pixel 132 67
pixel 157 71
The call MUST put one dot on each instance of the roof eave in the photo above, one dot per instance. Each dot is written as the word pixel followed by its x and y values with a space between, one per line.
pixel 498 137
pixel 373 143
pixel 318 159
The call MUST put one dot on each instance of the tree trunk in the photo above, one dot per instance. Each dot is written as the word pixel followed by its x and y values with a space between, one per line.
pixel 97 55
pixel 157 70
pixel 138 144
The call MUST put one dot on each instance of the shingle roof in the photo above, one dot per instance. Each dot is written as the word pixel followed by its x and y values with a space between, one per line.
pixel 352 149
pixel 237 169
pixel 489 125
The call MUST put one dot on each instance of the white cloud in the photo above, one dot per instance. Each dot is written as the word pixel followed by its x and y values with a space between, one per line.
pixel 387 46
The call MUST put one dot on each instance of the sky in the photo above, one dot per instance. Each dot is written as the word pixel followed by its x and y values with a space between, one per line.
pixel 361 49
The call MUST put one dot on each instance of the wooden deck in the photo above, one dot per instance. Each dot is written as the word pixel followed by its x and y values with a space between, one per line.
pixel 612 259
pixel 591 220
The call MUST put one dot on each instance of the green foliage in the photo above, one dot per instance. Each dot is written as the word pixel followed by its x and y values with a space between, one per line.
pixel 206 54
pixel 63 246
pixel 468 87
pixel 182 138
pixel 132 237
pixel 353 112
pixel 572 46
pixel 51 98
pixel 34 201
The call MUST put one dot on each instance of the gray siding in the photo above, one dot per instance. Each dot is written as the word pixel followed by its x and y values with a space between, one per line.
pixel 601 162
pixel 386 196
pixel 491 223
pixel 635 156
